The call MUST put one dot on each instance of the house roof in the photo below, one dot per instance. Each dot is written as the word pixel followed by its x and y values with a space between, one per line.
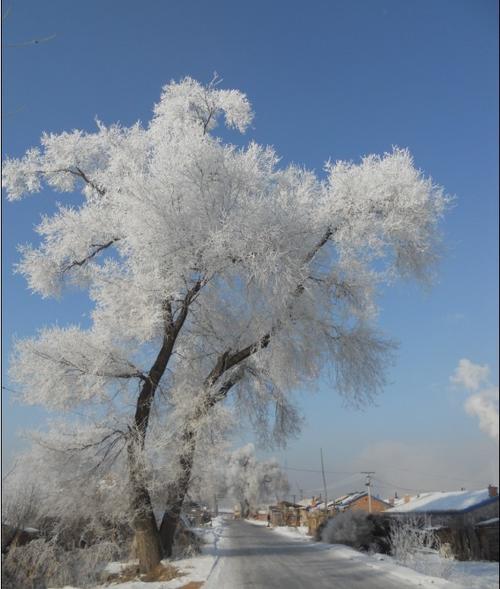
pixel 346 500
pixel 454 501
pixel 489 522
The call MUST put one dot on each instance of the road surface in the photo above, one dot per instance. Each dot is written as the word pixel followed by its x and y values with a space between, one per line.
pixel 256 557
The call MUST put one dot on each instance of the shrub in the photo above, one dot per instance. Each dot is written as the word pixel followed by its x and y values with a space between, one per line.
pixel 410 537
pixel 40 564
pixel 415 544
pixel 353 528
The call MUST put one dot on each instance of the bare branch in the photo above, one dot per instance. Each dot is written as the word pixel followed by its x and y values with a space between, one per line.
pixel 98 247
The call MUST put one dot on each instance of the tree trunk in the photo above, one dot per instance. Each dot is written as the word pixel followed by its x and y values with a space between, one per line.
pixel 147 542
pixel 147 536
pixel 177 495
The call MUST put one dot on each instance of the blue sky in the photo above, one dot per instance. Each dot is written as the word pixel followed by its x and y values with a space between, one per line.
pixel 327 79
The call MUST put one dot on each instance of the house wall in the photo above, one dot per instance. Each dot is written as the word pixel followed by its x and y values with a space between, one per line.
pixel 481 513
pixel 489 541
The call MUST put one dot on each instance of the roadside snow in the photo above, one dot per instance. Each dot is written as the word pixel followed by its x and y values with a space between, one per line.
pixel 439 573
pixel 386 564
pixel 475 575
pixel 469 574
pixel 256 522
pixel 295 533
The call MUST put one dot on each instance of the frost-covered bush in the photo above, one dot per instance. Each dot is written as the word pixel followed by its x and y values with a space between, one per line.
pixel 43 563
pixel 415 544
pixel 410 537
pixel 353 528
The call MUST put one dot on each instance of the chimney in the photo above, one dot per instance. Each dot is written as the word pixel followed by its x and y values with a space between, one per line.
pixel 492 490
pixel 407 498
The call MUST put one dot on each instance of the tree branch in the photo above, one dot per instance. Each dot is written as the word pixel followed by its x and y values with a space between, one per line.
pixel 228 360
pixel 99 247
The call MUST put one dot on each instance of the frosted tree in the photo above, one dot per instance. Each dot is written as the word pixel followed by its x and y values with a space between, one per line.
pixel 212 270
pixel 251 482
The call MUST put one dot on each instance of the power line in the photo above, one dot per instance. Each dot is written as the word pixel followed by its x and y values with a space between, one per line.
pixel 320 471
pixel 392 469
pixel 389 485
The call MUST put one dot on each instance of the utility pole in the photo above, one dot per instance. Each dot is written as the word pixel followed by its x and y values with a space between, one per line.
pixel 368 483
pixel 324 480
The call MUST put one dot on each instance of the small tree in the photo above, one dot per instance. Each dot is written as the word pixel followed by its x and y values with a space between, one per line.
pixel 251 482
pixel 351 527
pixel 211 270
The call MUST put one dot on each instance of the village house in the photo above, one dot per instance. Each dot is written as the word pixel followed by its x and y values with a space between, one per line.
pixel 466 520
pixel 361 502
pixel 455 508
pixel 285 513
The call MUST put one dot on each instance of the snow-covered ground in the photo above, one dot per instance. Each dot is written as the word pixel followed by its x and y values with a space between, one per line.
pixel 295 533
pixel 469 574
pixel 431 570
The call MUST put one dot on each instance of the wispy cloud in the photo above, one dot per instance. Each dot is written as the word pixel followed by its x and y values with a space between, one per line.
pixel 482 404
pixel 469 375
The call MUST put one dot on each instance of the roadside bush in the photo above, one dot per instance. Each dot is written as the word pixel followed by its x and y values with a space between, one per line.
pixel 42 564
pixel 415 544
pixel 358 529
pixel 410 537
pixel 353 528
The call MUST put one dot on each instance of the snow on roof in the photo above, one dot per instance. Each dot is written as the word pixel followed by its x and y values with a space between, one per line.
pixel 443 501
pixel 348 499
pixel 321 504
pixel 306 502
pixel 489 522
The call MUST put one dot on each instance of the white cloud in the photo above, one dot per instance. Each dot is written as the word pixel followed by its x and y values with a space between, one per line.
pixel 469 375
pixel 484 405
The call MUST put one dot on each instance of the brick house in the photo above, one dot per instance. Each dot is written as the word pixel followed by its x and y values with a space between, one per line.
pixel 360 502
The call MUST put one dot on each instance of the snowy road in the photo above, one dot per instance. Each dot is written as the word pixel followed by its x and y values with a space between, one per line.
pixel 260 558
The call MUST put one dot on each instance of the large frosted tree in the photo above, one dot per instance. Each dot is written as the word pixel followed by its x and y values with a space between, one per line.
pixel 212 271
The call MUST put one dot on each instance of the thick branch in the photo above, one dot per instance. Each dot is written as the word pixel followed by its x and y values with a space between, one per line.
pixel 172 329
pixel 228 360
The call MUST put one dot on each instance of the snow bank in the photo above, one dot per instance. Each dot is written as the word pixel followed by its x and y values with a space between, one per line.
pixel 293 532
pixel 468 574
pixel 382 563
pixel 378 561
pixel 256 522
